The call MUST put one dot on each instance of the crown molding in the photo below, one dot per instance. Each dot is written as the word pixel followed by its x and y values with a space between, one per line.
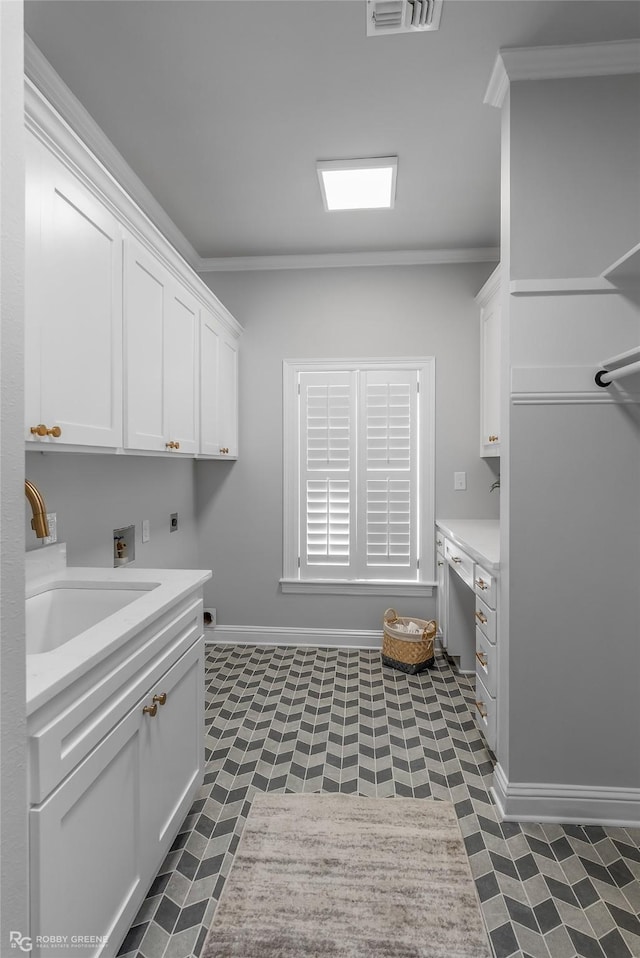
pixel 411 257
pixel 42 75
pixel 560 62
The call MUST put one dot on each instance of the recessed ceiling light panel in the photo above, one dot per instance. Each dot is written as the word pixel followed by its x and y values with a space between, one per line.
pixel 363 184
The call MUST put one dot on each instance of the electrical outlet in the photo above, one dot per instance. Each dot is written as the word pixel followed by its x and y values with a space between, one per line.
pixel 460 481
pixel 146 531
pixel 210 618
pixel 173 522
pixel 52 519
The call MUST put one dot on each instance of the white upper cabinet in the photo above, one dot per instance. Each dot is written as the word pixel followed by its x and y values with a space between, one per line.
pixel 118 326
pixel 73 309
pixel 218 388
pixel 161 348
pixel 489 300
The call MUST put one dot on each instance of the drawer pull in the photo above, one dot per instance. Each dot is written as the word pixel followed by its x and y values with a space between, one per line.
pixel 481 617
pixel 42 430
pixel 482 659
pixel 162 698
pixel 482 584
pixel 440 562
pixel 150 709
pixel 438 542
pixel 481 709
pixel 493 438
pixel 456 559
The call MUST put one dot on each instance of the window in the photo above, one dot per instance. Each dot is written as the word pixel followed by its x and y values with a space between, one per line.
pixel 358 476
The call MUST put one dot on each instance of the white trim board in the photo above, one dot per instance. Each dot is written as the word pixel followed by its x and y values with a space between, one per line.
pixel 560 62
pixel 572 804
pixel 272 635
pixel 412 257
pixel 561 385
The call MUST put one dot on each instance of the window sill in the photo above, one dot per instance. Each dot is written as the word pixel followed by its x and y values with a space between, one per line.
pixel 355 587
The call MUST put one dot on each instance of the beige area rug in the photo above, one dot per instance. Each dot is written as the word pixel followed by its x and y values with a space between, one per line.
pixel 337 876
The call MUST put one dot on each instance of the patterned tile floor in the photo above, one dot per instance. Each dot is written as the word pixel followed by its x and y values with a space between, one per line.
pixel 310 720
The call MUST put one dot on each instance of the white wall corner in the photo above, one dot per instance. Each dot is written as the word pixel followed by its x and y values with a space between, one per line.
pixel 559 62
pixel 569 804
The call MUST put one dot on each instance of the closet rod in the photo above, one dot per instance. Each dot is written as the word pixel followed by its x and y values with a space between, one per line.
pixel 625 364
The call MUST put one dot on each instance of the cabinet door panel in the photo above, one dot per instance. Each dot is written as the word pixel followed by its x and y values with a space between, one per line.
pixel 81 312
pixel 181 373
pixel 228 397
pixel 490 380
pixel 210 441
pixel 173 760
pixel 85 846
pixel 145 295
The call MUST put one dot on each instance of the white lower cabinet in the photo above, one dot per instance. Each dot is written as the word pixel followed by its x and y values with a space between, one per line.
pixel 468 617
pixel 97 840
pixel 441 582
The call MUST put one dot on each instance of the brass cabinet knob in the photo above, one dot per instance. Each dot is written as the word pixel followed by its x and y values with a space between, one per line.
pixel 480 707
pixel 493 438
pixel 176 445
pixel 172 445
pixel 481 617
pixel 224 450
pixel 41 430
pixel 482 584
pixel 150 709
pixel 482 659
pixel 162 698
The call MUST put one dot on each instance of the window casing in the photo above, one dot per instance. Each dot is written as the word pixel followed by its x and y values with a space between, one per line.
pixel 358 475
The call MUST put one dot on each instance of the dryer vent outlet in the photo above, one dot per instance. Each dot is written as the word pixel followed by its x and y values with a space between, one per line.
pixel 209 618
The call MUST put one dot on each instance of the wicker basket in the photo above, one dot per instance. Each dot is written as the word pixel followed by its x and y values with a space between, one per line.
pixel 409 652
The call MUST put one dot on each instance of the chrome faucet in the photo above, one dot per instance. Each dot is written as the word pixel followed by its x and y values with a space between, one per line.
pixel 39 522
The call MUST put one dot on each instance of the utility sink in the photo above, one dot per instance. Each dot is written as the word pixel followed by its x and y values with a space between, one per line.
pixel 62 610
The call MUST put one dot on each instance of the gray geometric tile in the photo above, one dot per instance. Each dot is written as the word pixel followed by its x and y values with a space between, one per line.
pixel 335 720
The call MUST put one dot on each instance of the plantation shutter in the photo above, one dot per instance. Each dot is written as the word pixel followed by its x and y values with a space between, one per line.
pixel 388 482
pixel 327 422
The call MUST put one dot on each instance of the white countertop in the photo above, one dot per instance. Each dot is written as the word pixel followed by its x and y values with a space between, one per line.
pixel 479 537
pixel 49 672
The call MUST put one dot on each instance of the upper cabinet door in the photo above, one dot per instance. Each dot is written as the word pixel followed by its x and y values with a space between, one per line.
pixel 210 442
pixel 146 296
pixel 181 370
pixel 228 394
pixel 74 309
pixel 489 299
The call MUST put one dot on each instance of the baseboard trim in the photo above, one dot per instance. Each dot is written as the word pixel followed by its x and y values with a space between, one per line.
pixel 272 635
pixel 565 804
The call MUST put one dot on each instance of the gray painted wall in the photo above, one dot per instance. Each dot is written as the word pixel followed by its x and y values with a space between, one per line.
pixel 94 494
pixel 403 311
pixel 574 469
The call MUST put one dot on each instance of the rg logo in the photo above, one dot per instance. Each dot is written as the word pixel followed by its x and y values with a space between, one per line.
pixel 21 941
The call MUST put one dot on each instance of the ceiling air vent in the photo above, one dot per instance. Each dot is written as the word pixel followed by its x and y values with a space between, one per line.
pixel 402 16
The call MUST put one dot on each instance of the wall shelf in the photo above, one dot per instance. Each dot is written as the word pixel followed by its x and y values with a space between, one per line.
pixel 623 273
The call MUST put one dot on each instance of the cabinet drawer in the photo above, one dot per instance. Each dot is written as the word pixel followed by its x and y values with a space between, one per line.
pixel 484 584
pixel 486 662
pixel 459 561
pixel 486 620
pixel 485 707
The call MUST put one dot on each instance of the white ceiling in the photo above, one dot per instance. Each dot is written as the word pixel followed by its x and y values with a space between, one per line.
pixel 222 108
